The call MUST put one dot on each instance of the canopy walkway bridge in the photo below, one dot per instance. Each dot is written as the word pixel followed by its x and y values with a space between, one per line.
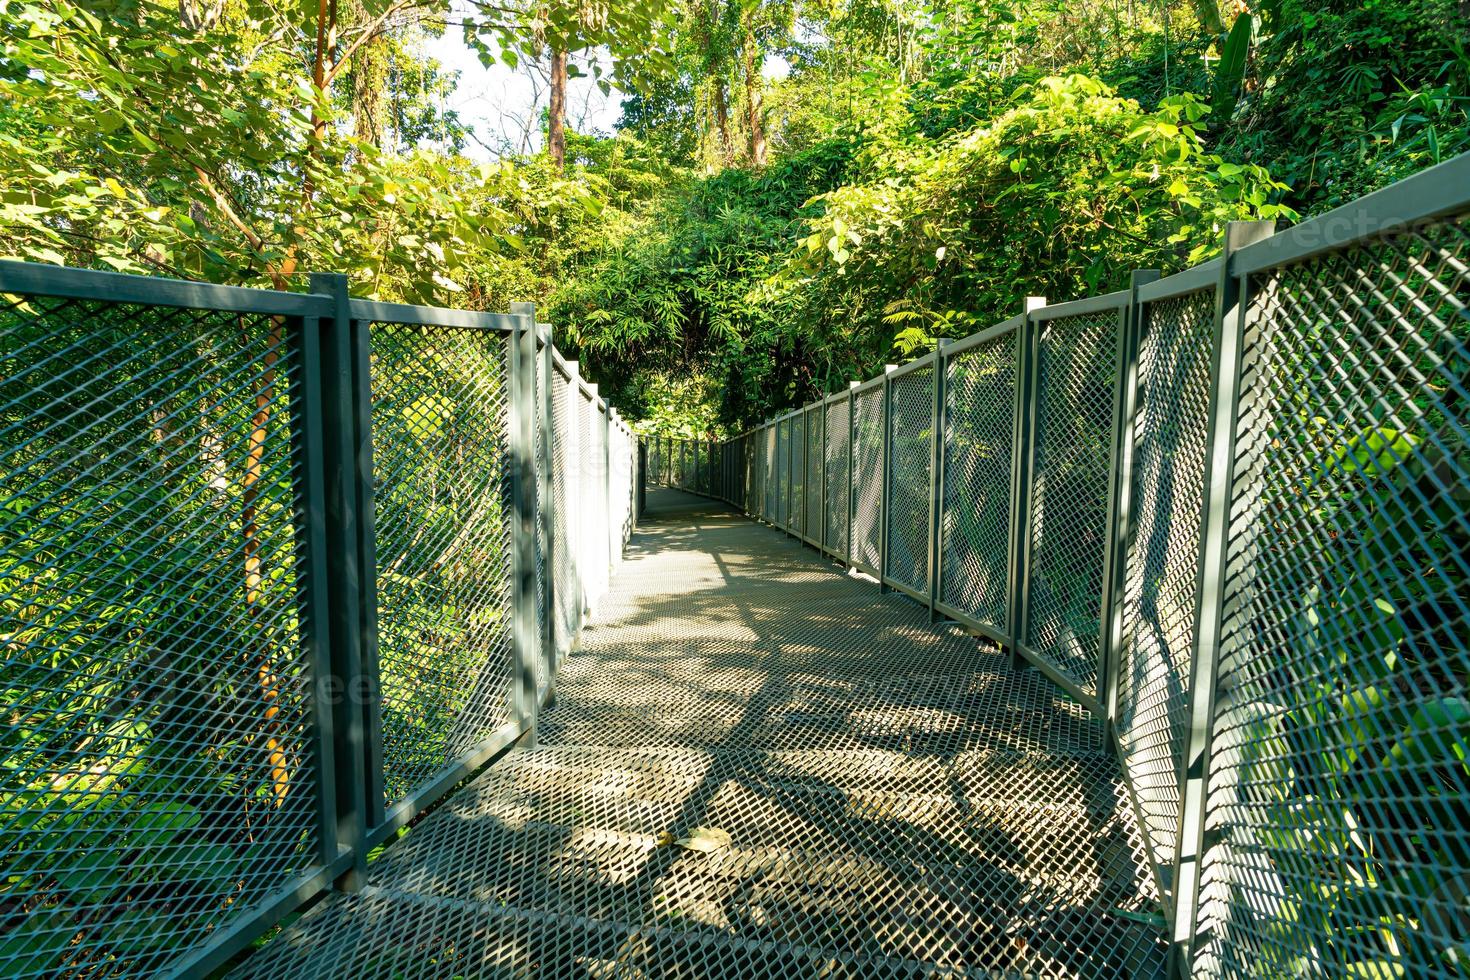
pixel 759 766
pixel 1127 638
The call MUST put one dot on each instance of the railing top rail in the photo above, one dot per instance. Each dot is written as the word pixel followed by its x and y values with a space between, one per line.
pixel 982 337
pixel 430 316
pixel 868 385
pixel 1191 280
pixel 927 360
pixel 1441 190
pixel 64 282
pixel 1079 307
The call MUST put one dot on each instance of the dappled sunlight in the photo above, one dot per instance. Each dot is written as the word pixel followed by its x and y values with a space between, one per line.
pixel 757 764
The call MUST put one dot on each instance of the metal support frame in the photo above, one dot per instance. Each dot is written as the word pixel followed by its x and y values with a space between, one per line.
pixel 1120 503
pixel 546 495
pixel 343 572
pixel 1022 468
pixel 576 529
pixel 937 482
pixel 886 475
pixel 609 532
pixel 523 409
pixel 1231 301
pixel 851 468
pixel 821 536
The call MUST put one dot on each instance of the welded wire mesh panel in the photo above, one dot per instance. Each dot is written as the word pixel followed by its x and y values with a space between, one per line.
pixel 796 516
pixel 749 476
pixel 835 476
pixel 157 728
pixel 783 471
pixel 1170 429
pixel 815 451
pixel 755 494
pixel 439 418
pixel 625 462
pixel 593 446
pixel 563 493
pixel 867 482
pixel 979 446
pixel 1339 798
pixel 908 479
pixel 768 468
pixel 1073 466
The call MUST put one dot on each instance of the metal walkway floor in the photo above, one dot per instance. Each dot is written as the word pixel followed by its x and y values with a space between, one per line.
pixel 759 766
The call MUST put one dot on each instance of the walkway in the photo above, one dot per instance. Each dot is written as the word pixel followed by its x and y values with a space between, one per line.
pixel 759 766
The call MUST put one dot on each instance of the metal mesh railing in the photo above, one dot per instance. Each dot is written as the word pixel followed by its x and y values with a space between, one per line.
pixel 1175 346
pixel 159 780
pixel 980 393
pixel 796 513
pixel 911 434
pixel 440 445
pixel 783 473
pixel 815 454
pixel 1076 380
pixel 257 595
pixel 838 486
pixel 867 479
pixel 1228 510
pixel 564 486
pixel 1339 778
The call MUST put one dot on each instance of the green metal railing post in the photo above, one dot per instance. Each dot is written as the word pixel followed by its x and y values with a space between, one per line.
pixel 808 414
pixel 343 574
pixel 598 489
pixel 1022 467
pixel 609 531
pixel 544 493
pixel 1120 503
pixel 886 471
pixel 1231 301
pixel 851 464
pixel 523 409
pixel 575 494
pixel 937 483
pixel 821 535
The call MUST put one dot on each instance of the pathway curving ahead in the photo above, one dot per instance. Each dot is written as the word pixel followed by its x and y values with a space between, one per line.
pixel 760 766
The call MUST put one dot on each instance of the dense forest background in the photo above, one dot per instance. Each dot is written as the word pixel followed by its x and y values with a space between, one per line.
pixel 797 191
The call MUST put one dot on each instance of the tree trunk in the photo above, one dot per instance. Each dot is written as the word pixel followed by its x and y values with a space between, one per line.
pixel 722 120
pixel 556 127
pixel 369 81
pixel 1208 12
pixel 755 123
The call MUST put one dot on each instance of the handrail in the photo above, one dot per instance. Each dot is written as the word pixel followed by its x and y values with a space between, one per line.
pixel 1213 440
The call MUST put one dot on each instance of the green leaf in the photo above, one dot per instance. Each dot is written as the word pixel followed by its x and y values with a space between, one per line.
pixel 1230 73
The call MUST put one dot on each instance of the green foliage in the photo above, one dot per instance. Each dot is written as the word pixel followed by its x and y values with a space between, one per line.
pixel 1062 196
pixel 675 292
pixel 1345 98
pixel 1230 74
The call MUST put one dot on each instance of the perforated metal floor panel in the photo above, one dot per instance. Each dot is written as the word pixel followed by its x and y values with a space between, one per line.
pixel 758 766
